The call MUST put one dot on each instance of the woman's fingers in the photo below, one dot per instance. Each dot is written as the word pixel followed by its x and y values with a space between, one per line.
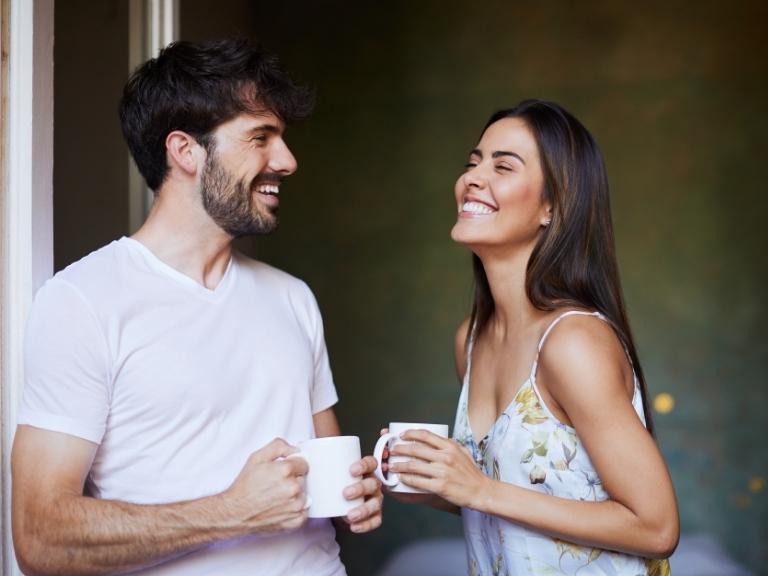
pixel 426 437
pixel 419 467
pixel 416 450
pixel 447 452
pixel 416 481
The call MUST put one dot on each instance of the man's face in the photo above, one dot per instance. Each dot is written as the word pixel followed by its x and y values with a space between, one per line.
pixel 240 183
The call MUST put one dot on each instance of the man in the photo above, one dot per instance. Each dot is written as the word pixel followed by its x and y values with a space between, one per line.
pixel 167 376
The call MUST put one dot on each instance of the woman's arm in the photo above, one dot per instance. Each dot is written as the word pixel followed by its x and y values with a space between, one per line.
pixel 428 499
pixel 584 369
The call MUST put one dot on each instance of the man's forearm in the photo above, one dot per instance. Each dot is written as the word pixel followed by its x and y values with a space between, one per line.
pixel 86 536
pixel 57 530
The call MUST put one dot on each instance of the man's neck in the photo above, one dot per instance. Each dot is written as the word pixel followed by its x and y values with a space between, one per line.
pixel 180 233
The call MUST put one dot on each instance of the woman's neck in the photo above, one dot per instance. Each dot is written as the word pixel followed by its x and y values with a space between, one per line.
pixel 513 309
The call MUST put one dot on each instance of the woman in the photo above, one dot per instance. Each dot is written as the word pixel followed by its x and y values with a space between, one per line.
pixel 559 474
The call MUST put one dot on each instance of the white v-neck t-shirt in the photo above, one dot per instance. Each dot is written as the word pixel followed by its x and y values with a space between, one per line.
pixel 179 384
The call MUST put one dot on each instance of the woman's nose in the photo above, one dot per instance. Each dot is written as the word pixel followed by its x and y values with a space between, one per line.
pixel 473 177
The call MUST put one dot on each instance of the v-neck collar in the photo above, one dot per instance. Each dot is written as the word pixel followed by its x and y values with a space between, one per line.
pixel 184 281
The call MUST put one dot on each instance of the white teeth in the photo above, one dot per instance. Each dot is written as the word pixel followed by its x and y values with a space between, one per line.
pixel 268 189
pixel 476 208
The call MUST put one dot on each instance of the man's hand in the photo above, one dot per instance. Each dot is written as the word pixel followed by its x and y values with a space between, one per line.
pixel 367 516
pixel 268 494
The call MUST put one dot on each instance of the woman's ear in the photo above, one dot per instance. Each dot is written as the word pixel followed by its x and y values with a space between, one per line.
pixel 184 152
pixel 547 218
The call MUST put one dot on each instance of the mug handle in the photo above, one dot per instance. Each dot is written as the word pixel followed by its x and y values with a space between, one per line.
pixel 378 451
pixel 307 497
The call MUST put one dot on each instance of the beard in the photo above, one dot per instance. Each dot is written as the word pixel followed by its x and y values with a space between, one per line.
pixel 230 203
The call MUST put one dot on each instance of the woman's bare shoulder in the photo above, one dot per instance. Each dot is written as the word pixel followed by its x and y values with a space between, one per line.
pixel 583 352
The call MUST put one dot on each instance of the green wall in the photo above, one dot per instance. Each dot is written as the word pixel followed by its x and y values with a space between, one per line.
pixel 673 92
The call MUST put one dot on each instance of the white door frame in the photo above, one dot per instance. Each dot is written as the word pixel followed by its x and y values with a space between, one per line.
pixel 153 25
pixel 26 206
pixel 26 190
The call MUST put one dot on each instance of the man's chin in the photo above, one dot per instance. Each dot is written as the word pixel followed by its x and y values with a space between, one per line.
pixel 260 229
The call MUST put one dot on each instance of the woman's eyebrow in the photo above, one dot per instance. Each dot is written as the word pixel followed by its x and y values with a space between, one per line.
pixel 497 154
pixel 500 153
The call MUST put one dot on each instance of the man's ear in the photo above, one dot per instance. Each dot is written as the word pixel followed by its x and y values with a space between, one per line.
pixel 184 152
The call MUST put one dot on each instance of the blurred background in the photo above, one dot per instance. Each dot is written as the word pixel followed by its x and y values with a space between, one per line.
pixel 675 94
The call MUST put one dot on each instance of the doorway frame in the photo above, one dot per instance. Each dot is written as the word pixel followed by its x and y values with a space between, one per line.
pixel 153 24
pixel 26 190
pixel 26 207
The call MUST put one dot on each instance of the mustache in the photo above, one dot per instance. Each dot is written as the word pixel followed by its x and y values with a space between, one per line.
pixel 268 178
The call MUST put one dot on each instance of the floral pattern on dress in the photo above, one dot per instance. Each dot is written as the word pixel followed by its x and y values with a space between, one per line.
pixel 658 568
pixel 527 446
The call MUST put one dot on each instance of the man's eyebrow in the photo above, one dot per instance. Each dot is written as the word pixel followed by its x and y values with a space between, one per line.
pixel 497 154
pixel 270 128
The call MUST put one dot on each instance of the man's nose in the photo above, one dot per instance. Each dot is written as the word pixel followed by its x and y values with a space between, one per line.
pixel 282 159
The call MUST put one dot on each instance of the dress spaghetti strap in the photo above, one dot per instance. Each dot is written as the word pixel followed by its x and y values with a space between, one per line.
pixel 551 326
pixel 527 446
pixel 470 346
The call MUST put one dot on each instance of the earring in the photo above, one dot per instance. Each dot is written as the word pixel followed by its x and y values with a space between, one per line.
pixel 547 222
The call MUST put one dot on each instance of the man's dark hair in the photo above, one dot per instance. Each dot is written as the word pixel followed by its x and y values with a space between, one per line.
pixel 195 88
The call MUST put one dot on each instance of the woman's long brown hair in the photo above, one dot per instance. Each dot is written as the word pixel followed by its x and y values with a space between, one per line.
pixel 574 262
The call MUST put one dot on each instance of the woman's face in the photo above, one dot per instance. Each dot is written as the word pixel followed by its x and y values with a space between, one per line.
pixel 500 195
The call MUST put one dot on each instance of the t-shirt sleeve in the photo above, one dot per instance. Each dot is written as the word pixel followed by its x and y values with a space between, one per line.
pixel 323 393
pixel 66 366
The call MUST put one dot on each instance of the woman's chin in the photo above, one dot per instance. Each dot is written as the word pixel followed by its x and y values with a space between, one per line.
pixel 468 238
pixel 457 234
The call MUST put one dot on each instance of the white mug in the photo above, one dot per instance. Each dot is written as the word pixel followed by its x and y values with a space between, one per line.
pixel 329 460
pixel 390 440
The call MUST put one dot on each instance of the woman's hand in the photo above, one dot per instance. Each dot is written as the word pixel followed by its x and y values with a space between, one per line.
pixel 404 497
pixel 441 466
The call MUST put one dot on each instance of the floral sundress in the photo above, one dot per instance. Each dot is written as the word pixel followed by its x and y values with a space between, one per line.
pixel 528 446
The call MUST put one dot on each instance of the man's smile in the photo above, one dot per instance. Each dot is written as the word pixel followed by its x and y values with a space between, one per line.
pixel 268 194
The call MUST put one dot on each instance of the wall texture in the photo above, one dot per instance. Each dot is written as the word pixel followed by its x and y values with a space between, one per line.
pixel 673 91
pixel 90 172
